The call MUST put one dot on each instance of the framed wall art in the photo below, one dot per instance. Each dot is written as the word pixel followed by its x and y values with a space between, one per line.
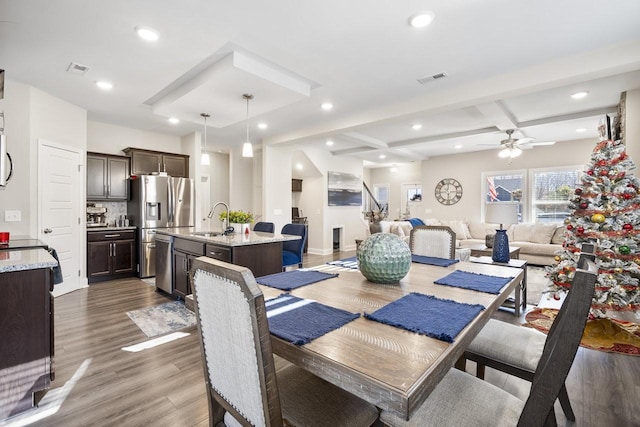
pixel 344 189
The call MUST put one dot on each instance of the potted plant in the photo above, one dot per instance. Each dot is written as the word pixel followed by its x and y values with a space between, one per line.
pixel 239 220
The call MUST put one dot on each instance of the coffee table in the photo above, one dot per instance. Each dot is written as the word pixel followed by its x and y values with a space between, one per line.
pixel 482 250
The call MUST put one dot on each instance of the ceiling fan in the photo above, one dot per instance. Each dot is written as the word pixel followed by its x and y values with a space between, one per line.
pixel 512 147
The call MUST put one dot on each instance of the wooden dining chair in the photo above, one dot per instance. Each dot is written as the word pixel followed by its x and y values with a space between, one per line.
pixel 516 350
pixel 433 240
pixel 292 250
pixel 267 227
pixel 461 399
pixel 242 384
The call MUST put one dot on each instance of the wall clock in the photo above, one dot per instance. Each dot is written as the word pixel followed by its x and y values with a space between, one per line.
pixel 448 191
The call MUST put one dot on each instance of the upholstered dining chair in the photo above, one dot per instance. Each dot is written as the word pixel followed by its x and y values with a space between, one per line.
pixel 461 399
pixel 267 227
pixel 242 384
pixel 433 240
pixel 516 350
pixel 292 249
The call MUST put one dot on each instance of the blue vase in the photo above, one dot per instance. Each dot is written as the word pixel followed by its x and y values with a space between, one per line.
pixel 501 247
pixel 384 258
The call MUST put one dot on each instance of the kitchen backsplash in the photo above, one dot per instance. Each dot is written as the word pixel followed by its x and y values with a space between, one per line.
pixel 114 210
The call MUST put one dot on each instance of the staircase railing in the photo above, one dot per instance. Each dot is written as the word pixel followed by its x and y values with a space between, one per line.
pixel 372 209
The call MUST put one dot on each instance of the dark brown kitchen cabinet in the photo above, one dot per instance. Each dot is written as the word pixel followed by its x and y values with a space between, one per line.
pixel 107 177
pixel 184 252
pixel 147 162
pixel 296 185
pixel 26 334
pixel 110 254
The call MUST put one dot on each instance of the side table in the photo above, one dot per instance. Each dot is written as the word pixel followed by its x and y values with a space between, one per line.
pixel 520 302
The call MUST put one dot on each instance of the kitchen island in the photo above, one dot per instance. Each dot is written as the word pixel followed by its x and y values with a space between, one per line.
pixel 260 252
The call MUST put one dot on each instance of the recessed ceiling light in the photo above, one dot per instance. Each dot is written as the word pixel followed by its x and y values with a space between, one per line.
pixel 579 95
pixel 457 146
pixel 581 130
pixel 421 19
pixel 262 125
pixel 327 106
pixel 416 126
pixel 147 33
pixel 104 85
pixel 329 142
pixel 173 120
pixel 382 156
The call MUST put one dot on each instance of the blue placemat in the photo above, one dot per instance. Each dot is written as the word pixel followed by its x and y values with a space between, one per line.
pixel 431 260
pixel 474 281
pixel 351 262
pixel 289 280
pixel 300 321
pixel 442 319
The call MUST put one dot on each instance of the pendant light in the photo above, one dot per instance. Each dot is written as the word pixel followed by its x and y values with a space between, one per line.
pixel 247 148
pixel 204 159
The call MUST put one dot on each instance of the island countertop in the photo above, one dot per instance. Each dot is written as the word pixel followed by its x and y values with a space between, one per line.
pixel 25 259
pixel 231 239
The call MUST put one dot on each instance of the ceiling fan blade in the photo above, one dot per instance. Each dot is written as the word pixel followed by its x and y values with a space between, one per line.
pixel 541 143
pixel 526 140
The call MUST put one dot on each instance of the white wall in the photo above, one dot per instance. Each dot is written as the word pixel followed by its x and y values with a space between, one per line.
pixel 111 139
pixel 276 185
pixel 241 181
pixel 468 169
pixel 632 136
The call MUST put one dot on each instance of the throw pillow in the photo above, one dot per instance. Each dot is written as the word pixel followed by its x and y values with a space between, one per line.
pixel 459 227
pixel 542 233
pixel 558 235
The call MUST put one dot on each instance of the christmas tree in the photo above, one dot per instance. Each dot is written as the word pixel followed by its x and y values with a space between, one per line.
pixel 606 210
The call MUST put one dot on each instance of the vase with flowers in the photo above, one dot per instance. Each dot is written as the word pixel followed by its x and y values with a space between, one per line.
pixel 239 220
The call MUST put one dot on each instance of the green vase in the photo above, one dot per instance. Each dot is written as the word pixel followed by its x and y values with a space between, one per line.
pixel 384 258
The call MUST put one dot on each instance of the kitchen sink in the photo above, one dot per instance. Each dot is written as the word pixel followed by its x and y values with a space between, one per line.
pixel 206 233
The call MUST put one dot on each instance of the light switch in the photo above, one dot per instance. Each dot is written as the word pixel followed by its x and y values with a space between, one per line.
pixel 12 216
pixel 277 211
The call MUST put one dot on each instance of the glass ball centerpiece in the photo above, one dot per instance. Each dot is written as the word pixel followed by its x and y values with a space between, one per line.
pixel 384 258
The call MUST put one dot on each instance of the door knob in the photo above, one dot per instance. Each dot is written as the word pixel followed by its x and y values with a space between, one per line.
pixel 47 230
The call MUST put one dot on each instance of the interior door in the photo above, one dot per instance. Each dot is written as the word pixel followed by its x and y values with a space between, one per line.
pixel 59 207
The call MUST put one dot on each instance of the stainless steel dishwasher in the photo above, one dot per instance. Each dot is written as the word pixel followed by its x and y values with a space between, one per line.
pixel 164 263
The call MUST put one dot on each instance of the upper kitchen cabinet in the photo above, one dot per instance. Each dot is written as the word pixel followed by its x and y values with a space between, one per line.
pixel 107 177
pixel 147 162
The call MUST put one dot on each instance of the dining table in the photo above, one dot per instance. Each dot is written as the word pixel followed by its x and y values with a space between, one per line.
pixel 390 367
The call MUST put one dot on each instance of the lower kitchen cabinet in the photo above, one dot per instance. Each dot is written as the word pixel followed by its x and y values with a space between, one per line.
pixel 184 252
pixel 110 254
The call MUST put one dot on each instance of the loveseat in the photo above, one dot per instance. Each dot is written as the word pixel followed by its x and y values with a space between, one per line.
pixel 538 242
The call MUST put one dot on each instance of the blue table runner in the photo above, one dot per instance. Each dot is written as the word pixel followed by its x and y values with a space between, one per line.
pixel 300 320
pixel 442 319
pixel 474 281
pixel 351 262
pixel 289 280
pixel 431 260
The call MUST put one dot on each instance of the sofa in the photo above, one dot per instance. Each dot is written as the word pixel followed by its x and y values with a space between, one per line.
pixel 538 242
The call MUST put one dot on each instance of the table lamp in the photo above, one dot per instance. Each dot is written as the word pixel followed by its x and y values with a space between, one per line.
pixel 501 213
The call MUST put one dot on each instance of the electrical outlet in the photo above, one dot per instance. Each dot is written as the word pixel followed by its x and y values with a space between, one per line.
pixel 12 216
pixel 277 211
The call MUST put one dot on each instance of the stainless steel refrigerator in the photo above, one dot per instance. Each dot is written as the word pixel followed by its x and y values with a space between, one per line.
pixel 158 202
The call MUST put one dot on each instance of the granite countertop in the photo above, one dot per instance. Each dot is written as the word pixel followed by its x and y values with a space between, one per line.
pixel 232 239
pixel 25 259
pixel 111 228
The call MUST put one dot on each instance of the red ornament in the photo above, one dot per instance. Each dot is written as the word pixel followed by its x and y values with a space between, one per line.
pixel 580 230
pixel 589 172
pixel 627 196
pixel 584 205
pixel 601 163
pixel 627 227
pixel 604 172
pixel 623 156
pixel 578 191
pixel 569 227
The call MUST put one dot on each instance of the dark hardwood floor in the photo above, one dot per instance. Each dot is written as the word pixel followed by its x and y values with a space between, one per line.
pixel 99 384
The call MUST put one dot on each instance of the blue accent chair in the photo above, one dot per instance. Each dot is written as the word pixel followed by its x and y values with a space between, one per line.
pixel 267 227
pixel 292 249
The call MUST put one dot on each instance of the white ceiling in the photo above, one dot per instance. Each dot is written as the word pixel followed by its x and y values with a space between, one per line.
pixel 509 64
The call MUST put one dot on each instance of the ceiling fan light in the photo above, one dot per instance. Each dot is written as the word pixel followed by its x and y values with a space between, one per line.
pixel 503 154
pixel 247 149
pixel 515 152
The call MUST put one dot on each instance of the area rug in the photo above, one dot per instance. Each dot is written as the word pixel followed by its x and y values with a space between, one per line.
pixel 163 319
pixel 608 335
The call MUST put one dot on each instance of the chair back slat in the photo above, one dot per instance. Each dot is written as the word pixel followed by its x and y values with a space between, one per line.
pixel 267 227
pixel 433 240
pixel 560 349
pixel 235 342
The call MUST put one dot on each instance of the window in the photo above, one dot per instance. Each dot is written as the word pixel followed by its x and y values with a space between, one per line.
pixel 551 190
pixel 505 187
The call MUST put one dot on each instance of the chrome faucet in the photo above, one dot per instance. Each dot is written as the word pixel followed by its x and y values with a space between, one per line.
pixel 226 228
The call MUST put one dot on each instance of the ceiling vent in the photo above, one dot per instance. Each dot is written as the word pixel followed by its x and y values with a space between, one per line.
pixel 432 78
pixel 75 68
